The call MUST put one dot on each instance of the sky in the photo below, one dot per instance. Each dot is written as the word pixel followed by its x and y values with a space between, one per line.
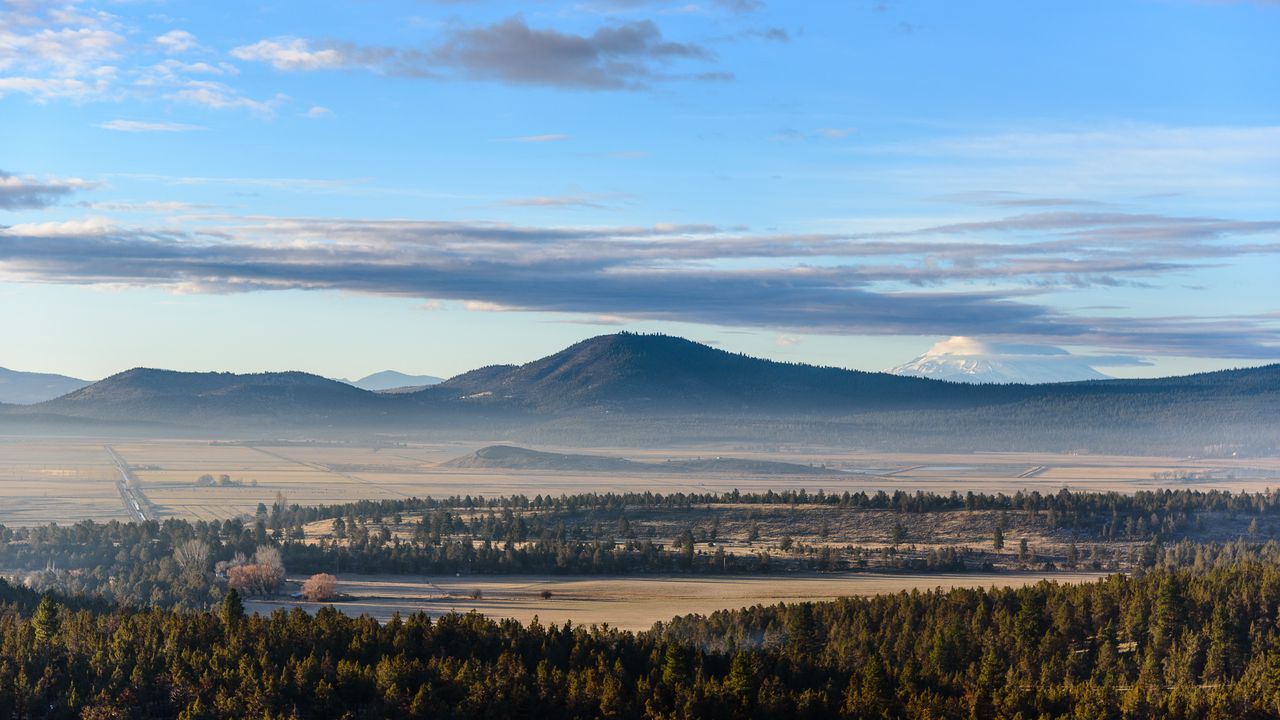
pixel 351 186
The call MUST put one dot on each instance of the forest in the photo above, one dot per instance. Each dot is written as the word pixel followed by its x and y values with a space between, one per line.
pixel 1168 644
pixel 183 564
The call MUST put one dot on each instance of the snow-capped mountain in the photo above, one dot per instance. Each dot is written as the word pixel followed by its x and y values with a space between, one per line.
pixel 964 359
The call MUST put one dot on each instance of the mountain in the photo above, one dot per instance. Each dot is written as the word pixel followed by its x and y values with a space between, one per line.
pixel 148 395
pixel 26 388
pixel 630 390
pixel 634 372
pixel 392 380
pixel 508 457
pixel 962 359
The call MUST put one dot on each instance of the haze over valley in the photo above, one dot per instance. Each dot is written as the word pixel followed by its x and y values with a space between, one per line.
pixel 639 359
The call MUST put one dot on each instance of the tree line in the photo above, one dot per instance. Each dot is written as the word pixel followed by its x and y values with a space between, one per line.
pixel 1178 644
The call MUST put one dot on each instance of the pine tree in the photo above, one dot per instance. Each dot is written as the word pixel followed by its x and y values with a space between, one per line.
pixel 45 621
pixel 232 610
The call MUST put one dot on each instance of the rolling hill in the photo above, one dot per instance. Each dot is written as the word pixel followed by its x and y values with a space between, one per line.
pixel 508 457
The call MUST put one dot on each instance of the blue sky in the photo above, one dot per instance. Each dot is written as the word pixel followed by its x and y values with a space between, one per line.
pixel 431 186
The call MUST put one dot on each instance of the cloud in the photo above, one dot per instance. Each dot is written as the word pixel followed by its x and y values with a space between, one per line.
pixel 679 273
pixel 553 137
pixel 25 193
pixel 147 126
pixel 558 201
pixel 293 53
pixel 318 112
pixel 627 56
pixel 176 42
pixel 219 96
pixel 823 133
pixel 53 52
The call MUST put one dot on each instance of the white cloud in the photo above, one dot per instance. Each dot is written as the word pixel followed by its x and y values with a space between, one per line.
pixel 92 226
pixel 219 96
pixel 291 53
pixel 176 42
pixel 318 112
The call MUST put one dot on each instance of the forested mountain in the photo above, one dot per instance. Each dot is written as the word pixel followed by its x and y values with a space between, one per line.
pixel 144 394
pixel 664 373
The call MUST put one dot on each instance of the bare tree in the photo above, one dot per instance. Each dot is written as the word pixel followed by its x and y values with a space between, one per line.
pixel 270 556
pixel 192 556
pixel 320 587
pixel 254 579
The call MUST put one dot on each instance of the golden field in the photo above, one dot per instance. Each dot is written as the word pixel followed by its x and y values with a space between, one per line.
pixel 66 480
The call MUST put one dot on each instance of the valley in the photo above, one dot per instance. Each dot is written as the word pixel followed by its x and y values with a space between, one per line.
pixel 71 479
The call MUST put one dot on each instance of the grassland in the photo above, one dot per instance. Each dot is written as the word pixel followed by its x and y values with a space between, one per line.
pixel 65 480
pixel 624 603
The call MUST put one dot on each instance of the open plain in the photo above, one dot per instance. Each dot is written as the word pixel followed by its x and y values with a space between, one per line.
pixel 71 479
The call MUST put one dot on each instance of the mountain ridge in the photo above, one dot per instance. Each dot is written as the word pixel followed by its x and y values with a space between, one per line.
pixel 18 387
pixel 644 390
pixel 389 380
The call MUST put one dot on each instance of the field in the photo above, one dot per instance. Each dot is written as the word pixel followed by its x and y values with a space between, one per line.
pixel 626 603
pixel 66 480
pixel 44 481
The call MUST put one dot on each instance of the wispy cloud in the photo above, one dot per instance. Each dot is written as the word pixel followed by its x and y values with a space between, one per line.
pixel 696 273
pixel 219 96
pixel 559 201
pixel 20 193
pixel 148 126
pixel 550 137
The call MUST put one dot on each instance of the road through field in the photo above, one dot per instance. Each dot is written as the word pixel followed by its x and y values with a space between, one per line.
pixel 629 603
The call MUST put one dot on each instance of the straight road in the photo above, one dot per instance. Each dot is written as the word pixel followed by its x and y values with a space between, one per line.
pixel 135 503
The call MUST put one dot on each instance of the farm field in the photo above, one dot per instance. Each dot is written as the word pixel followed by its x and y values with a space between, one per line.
pixel 44 481
pixel 626 603
pixel 67 480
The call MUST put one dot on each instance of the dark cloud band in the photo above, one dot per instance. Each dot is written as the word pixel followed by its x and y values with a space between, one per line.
pixel 846 284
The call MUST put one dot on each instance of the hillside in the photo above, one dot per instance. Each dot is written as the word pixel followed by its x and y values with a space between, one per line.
pixel 508 457
pixel 660 372
pixel 26 388
pixel 144 394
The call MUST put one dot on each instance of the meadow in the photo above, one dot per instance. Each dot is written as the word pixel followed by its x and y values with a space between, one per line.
pixel 625 603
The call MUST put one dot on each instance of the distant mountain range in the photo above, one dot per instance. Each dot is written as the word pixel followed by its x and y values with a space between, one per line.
pixel 392 381
pixel 636 390
pixel 962 359
pixel 25 388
